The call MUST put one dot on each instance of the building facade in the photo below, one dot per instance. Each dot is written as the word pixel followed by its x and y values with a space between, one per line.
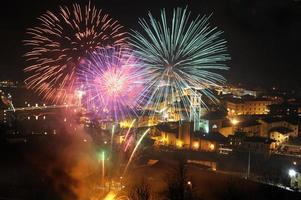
pixel 254 106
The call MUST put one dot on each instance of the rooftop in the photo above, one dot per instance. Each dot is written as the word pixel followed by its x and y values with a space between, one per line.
pixel 214 115
pixel 249 123
pixel 257 139
pixel 170 127
pixel 246 99
pixel 214 136
pixel 282 130
pixel 227 123
pixel 279 119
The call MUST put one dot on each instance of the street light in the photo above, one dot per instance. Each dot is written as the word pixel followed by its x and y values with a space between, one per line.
pixel 211 147
pixel 189 184
pixel 103 166
pixel 292 172
pixel 234 121
pixel 102 158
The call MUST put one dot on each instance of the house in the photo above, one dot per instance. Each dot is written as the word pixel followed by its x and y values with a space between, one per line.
pixel 255 144
pixel 182 135
pixel 260 145
pixel 148 118
pixel 168 134
pixel 250 127
pixel 276 122
pixel 212 121
pixel 227 128
pixel 175 134
pixel 247 106
pixel 236 140
pixel 280 135
pixel 209 142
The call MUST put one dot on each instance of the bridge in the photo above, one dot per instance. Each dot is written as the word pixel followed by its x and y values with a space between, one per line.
pixel 43 107
pixel 13 114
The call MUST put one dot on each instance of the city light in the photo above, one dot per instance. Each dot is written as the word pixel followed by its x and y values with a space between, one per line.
pixel 292 172
pixel 103 165
pixel 179 143
pixel 196 145
pixel 211 147
pixel 234 121
pixel 110 196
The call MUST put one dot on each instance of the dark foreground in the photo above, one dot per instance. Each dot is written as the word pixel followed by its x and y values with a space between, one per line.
pixel 21 178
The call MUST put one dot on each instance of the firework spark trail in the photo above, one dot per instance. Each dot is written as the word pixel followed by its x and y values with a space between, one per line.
pixel 128 131
pixel 113 81
pixel 61 41
pixel 128 143
pixel 134 150
pixel 112 138
pixel 182 57
pixel 103 167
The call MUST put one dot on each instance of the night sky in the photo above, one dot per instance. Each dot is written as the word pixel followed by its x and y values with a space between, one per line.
pixel 263 36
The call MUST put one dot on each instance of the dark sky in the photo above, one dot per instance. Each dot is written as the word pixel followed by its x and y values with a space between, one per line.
pixel 264 36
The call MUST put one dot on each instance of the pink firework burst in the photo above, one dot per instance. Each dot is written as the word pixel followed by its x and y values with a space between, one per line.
pixel 113 80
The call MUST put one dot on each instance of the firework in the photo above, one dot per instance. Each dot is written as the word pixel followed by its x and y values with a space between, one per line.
pixel 61 41
pixel 183 56
pixel 112 80
pixel 129 129
pixel 134 150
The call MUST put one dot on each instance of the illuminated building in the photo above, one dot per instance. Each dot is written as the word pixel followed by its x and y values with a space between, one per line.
pixel 295 177
pixel 238 91
pixel 175 134
pixel 268 124
pixel 148 120
pixel 168 134
pixel 186 130
pixel 183 136
pixel 212 121
pixel 250 127
pixel 216 122
pixel 256 106
pixel 236 140
pixel 226 129
pixel 212 142
pixel 280 135
pixel 174 109
pixel 195 110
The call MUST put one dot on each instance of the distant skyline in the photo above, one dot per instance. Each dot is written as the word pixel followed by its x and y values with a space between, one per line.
pixel 264 36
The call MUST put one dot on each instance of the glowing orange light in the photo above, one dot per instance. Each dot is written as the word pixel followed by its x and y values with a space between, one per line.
pixel 234 121
pixel 196 145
